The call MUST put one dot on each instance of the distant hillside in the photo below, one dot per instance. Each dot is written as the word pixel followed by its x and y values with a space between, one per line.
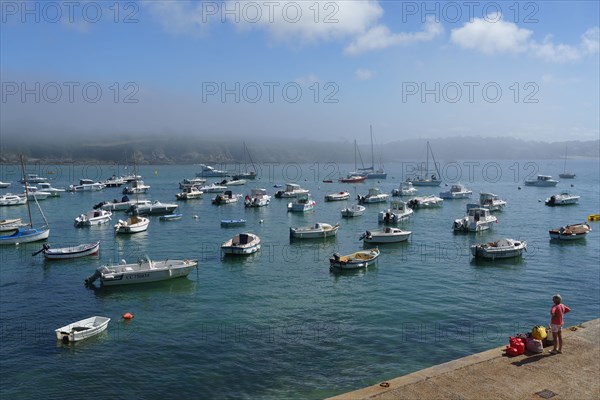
pixel 166 150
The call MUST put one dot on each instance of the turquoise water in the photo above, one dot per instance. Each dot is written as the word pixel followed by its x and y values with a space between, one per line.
pixel 279 324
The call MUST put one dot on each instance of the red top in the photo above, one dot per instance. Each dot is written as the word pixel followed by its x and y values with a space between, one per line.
pixel 557 312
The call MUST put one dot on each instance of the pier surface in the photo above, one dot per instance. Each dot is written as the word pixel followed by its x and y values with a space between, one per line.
pixel 574 374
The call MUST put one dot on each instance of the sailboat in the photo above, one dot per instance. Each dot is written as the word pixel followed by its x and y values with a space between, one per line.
pixel 27 234
pixel 355 176
pixel 565 174
pixel 371 173
pixel 135 223
pixel 434 179
pixel 246 175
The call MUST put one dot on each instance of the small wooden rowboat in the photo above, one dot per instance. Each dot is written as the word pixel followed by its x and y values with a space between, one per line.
pixel 82 329
pixel 64 253
pixel 359 259
pixel 570 232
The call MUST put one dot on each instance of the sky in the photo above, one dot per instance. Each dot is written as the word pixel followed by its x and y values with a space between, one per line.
pixel 312 69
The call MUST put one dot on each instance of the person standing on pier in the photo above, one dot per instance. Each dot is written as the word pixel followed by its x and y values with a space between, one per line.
pixel 557 312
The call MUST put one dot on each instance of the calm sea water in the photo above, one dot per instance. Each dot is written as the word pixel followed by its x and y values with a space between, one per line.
pixel 279 324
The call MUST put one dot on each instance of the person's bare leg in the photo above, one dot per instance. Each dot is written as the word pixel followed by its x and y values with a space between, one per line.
pixel 555 340
pixel 559 341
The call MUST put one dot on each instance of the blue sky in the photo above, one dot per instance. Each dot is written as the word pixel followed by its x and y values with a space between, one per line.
pixel 411 69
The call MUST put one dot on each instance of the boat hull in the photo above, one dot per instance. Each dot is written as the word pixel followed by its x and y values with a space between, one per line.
pixel 383 238
pixel 303 233
pixel 72 252
pixel 83 329
pixel 488 251
pixel 161 271
pixel 25 235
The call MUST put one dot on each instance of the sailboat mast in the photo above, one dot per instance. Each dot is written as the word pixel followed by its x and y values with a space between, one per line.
pixel 437 176
pixel 26 191
pixel 372 154
pixel 565 166
pixel 355 165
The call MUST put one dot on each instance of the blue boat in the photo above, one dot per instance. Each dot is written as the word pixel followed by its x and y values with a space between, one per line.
pixel 227 223
pixel 170 217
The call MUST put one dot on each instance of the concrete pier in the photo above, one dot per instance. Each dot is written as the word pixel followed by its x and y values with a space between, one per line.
pixel 574 374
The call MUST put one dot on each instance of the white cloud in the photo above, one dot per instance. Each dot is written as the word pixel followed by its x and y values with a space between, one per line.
pixel 179 17
pixel 307 80
pixel 308 21
pixel 364 74
pixel 380 37
pixel 493 36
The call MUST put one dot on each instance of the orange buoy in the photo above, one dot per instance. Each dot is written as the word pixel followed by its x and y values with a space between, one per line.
pixel 128 316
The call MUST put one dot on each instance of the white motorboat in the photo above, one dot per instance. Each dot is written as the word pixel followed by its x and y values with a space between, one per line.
pixel 12 200
pixel 457 191
pixel 123 205
pixel 502 248
pixel 356 260
pixel 291 190
pixel 398 212
pixel 339 196
pixel 34 193
pixel 115 181
pixel 46 187
pixel 95 217
pixel 82 329
pixel 194 182
pixel 232 182
pixel 86 185
pixel 232 223
pixel 353 211
pixel 430 201
pixel 242 244
pixel 405 189
pixel 491 201
pixel 541 181
pixel 570 232
pixel 137 187
pixel 426 179
pixel 132 177
pixel 4 185
pixel 226 197
pixel 374 196
pixel 154 208
pixel 476 220
pixel 34 179
pixel 386 235
pixel 189 193
pixel 257 198
pixel 144 271
pixel 210 172
pixel 562 199
pixel 212 188
pixel 64 253
pixel 133 224
pixel 302 203
pixel 318 231
pixel 9 225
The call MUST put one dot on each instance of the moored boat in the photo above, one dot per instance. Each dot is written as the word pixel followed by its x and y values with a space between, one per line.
pixel 430 201
pixel 319 230
pixel 356 260
pixel 374 196
pixel 457 191
pixel 476 220
pixel 426 179
pixel 491 201
pixel 123 205
pixel 302 203
pixel 386 235
pixel 144 271
pixel 46 187
pixel 12 200
pixel 257 198
pixel 291 190
pixel 114 181
pixel 213 188
pixel 87 185
pixel 4 185
pixel 210 172
pixel 339 196
pixel 230 223
pixel 570 232
pixel 170 217
pixel 563 199
pixel 242 244
pixel 137 187
pixel 405 189
pixel 353 179
pixel 226 197
pixel 133 224
pixel 9 225
pixel 353 211
pixel 154 208
pixel 82 329
pixel 502 248
pixel 94 217
pixel 398 212
pixel 541 181
pixel 189 193
pixel 63 253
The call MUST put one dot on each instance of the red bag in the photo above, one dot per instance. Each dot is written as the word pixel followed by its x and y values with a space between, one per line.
pixel 512 351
